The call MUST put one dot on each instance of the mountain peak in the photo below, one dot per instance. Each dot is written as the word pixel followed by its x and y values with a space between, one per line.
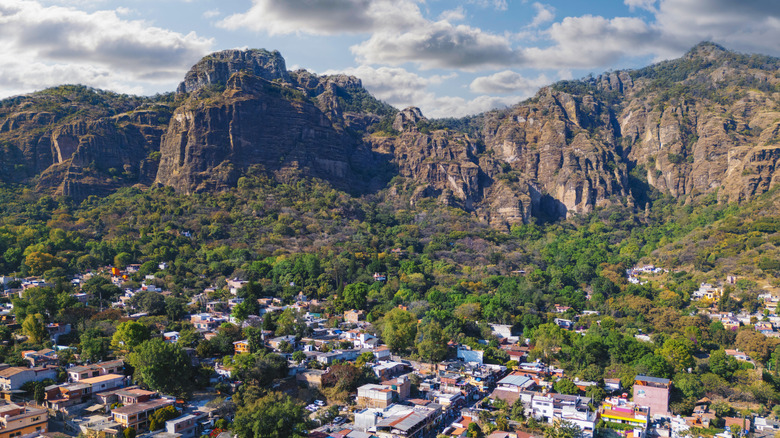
pixel 219 66
pixel 706 50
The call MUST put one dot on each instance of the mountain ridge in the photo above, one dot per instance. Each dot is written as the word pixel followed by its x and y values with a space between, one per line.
pixel 705 122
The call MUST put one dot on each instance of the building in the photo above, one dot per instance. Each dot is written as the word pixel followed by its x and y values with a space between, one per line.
pixel 61 396
pixel 623 412
pixel 206 321
pixel 187 426
pixel 374 396
pixel 137 415
pixel 241 347
pixel 354 316
pixel 18 420
pixel 510 387
pixel 653 393
pixel 41 358
pixel 572 408
pixel 14 377
pixel 78 373
pixel 105 382
pixel 413 422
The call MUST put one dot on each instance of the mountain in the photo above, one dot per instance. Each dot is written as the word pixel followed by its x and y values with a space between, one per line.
pixel 703 124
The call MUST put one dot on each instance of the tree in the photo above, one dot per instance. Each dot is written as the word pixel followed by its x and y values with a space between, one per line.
pixel 129 335
pixel 149 302
pixel 274 416
pixel 474 431
pixel 159 417
pixel 566 386
pixel 94 346
pixel 398 329
pixel 723 364
pixel 122 259
pixel 678 352
pixel 244 309
pixel 563 429
pixel 431 343
pixel 596 393
pixel 35 328
pixel 154 361
pixel 174 308
pixel 355 296
pixel 40 262
pixel 129 432
pixel 300 356
pixel 548 340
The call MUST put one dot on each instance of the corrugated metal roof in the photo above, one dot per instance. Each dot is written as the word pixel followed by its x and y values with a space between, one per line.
pixel 514 380
pixel 653 379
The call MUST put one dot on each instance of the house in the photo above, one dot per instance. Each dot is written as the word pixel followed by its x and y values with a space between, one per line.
pixel 171 337
pixel 414 423
pixel 561 309
pixel 61 396
pixel 621 411
pixel 41 358
pixel 235 285
pixel 104 382
pixel 653 393
pixel 206 321
pixel 56 330
pixel 556 407
pixel 18 420
pixel 187 426
pixel 380 277
pixel 137 415
pixel 382 352
pixel 613 385
pixel 739 355
pixel 566 324
pixel 312 378
pixel 706 291
pixel 374 396
pixel 387 370
pixel 510 387
pixel 466 354
pixel 130 396
pixel 78 373
pixel 241 347
pixel 14 377
pixel 354 316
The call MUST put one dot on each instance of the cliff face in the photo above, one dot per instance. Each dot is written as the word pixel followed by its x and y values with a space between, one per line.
pixel 211 141
pixel 705 123
pixel 84 143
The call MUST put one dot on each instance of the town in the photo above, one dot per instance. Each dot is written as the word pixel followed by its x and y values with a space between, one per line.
pixel 348 373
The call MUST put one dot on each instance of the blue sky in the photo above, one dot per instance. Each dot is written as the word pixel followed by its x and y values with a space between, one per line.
pixel 448 57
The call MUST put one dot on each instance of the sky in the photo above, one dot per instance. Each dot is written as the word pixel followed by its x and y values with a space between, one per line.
pixel 450 58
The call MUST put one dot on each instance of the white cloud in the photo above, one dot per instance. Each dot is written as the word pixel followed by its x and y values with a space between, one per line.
pixel 640 4
pixel 592 41
pixel 544 14
pixel 42 44
pixel 499 5
pixel 452 15
pixel 394 85
pixel 325 17
pixel 506 82
pixel 438 45
pixel 211 13
pixel 402 89
pixel 751 26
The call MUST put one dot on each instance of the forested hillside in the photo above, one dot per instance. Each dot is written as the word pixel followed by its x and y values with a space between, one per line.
pixel 308 185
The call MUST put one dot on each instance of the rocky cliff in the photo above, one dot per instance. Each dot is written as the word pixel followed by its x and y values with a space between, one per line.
pixel 705 123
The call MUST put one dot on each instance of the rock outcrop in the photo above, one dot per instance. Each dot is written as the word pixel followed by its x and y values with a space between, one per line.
pixel 703 124
pixel 217 68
